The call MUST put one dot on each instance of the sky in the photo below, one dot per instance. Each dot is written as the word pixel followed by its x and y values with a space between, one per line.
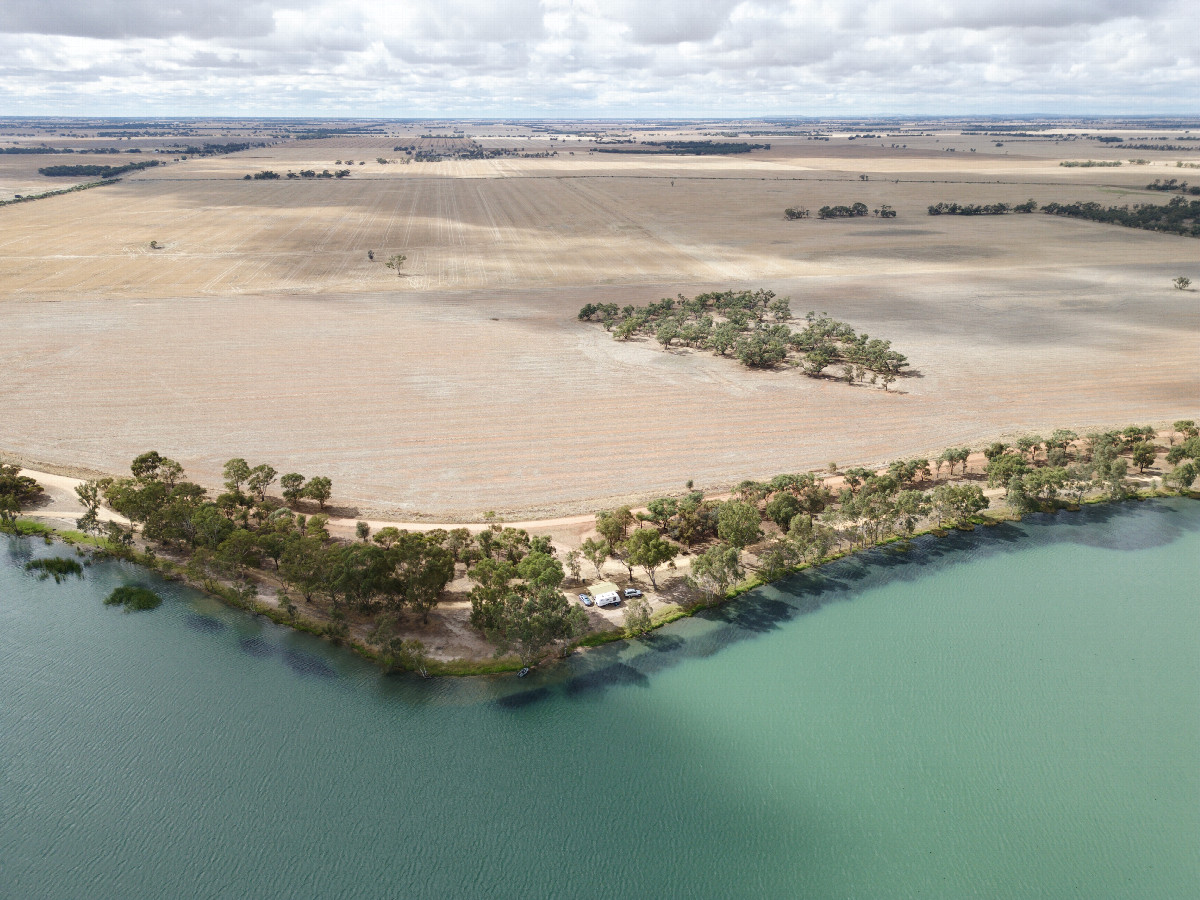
pixel 598 58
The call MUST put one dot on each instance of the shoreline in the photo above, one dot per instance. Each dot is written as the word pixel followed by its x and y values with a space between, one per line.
pixel 249 602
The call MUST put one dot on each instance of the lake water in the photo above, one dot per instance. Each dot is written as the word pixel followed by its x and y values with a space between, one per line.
pixel 1009 713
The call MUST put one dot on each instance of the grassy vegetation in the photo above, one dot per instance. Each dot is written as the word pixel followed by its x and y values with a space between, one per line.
pixel 59 567
pixel 133 598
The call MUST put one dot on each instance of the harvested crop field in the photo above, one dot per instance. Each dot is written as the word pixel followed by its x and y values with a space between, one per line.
pixel 261 329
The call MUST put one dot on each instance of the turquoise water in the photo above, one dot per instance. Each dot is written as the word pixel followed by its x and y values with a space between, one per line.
pixel 1011 713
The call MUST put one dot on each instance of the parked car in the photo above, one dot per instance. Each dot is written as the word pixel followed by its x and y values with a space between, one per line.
pixel 585 599
pixel 632 592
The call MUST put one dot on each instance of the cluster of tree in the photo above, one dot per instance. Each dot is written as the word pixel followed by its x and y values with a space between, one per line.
pixel 981 209
pixel 884 211
pixel 1173 148
pixel 320 134
pixel 1179 216
pixel 1037 471
pixel 1173 184
pixel 842 212
pixel 267 174
pixel 750 326
pixel 1090 163
pixel 42 150
pixel 216 149
pixel 27 198
pixel 16 490
pixel 797 518
pixel 685 148
pixel 1109 139
pixel 456 149
pixel 96 170
pixel 516 601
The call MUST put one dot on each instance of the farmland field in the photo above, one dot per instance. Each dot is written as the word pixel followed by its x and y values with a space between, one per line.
pixel 260 328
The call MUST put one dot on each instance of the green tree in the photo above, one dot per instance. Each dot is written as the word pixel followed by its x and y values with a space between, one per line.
pixel 782 508
pixel 958 502
pixel 303 565
pixel 292 486
pixel 614 525
pixel 237 473
pixel 738 523
pixel 522 615
pixel 259 480
pixel 1144 454
pixel 714 570
pixel 419 570
pixel 637 616
pixel 362 531
pixel 1002 468
pixel 645 548
pixel 1182 283
pixel 319 488
pixel 596 552
pixel 1182 476
pixel 396 261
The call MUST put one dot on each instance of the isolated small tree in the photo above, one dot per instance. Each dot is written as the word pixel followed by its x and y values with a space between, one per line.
pixel 396 261
pixel 260 478
pixel 237 472
pixel 319 488
pixel 370 254
pixel 646 549
pixel 596 552
pixel 1144 454
pixel 362 530
pixel 1182 283
pixel 637 616
pixel 574 565
pixel 292 485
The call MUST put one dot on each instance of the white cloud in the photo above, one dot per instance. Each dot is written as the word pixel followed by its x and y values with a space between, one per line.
pixel 596 57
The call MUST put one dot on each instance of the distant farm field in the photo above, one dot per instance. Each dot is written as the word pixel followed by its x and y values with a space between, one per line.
pixel 260 327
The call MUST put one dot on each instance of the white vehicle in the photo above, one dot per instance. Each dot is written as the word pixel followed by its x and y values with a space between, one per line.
pixel 632 592
pixel 610 599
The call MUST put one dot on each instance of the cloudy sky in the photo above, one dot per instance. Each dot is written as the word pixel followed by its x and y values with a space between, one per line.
pixel 597 57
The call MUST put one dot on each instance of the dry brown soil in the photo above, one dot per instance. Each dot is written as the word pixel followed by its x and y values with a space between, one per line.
pixel 465 385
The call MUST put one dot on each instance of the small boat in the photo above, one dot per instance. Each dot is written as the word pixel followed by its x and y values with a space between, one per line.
pixel 523 672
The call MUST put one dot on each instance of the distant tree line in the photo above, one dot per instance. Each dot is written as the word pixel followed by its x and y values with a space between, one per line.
pixel 216 149
pixel 97 170
pixel 686 148
pixel 1090 164
pixel 981 209
pixel 1173 148
pixel 270 175
pixel 1179 216
pixel 26 198
pixel 1173 184
pixel 751 327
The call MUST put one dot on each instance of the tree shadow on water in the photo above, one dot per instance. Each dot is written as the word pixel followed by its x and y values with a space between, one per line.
pixel 1125 526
